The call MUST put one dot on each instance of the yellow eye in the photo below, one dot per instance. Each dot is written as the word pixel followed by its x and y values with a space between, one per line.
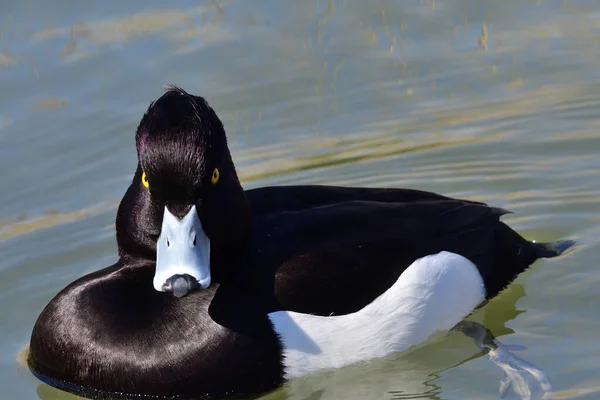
pixel 145 180
pixel 215 176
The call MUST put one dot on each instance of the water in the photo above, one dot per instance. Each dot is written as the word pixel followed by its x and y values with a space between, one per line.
pixel 492 101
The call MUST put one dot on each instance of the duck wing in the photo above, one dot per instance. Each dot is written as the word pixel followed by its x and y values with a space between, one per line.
pixel 336 258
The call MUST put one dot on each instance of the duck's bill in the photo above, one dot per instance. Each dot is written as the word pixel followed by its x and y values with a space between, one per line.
pixel 182 255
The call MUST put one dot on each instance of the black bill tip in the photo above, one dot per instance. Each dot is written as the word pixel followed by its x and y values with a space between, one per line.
pixel 181 285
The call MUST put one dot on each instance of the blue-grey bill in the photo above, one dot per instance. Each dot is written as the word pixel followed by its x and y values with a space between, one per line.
pixel 182 248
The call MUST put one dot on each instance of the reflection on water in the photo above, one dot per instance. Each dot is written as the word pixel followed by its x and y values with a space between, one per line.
pixel 492 101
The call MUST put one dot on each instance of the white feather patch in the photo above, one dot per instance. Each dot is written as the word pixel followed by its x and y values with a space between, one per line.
pixel 434 293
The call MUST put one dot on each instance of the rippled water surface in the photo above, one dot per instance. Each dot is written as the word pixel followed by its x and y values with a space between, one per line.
pixel 487 100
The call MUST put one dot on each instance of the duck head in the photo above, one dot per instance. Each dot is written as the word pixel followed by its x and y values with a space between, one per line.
pixel 185 208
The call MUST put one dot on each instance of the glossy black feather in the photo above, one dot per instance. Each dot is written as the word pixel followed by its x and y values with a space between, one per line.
pixel 110 334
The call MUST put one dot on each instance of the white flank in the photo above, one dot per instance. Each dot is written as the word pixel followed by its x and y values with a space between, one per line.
pixel 434 293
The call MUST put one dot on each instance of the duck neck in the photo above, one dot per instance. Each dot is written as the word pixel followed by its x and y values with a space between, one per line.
pixel 137 223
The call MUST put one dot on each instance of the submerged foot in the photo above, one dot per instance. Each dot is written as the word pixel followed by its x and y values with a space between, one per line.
pixel 524 379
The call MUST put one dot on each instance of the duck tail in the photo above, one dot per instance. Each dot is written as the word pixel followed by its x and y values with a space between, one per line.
pixel 552 249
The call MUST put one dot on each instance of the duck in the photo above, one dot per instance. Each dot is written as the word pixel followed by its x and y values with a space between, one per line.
pixel 219 290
